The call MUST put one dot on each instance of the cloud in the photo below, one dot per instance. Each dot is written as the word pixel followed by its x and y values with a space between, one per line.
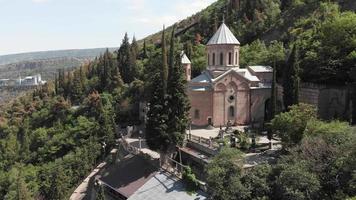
pixel 185 8
pixel 39 1
pixel 157 20
pixel 135 5
pixel 181 10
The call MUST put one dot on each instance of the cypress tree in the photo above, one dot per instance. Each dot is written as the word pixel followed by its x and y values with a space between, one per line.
pixel 77 88
pixel 61 82
pixel 134 48
pixel 156 136
pixel 353 97
pixel 188 49
pixel 56 83
pixel 353 107
pixel 156 127
pixel 134 54
pixel 171 53
pixel 291 80
pixel 177 103
pixel 164 71
pixel 144 53
pixel 123 60
pixel 273 102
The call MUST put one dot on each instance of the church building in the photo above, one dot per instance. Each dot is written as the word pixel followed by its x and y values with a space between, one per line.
pixel 226 92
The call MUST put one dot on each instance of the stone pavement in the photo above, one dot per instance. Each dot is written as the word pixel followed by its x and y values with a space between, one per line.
pixel 144 148
pixel 207 133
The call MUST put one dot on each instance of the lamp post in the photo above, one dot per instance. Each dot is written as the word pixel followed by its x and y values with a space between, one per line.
pixel 139 139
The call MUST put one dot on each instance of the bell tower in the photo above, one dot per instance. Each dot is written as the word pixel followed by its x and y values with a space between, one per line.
pixel 223 50
pixel 187 66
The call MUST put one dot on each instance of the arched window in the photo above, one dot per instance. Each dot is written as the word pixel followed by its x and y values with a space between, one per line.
pixel 213 58
pixel 230 58
pixel 196 114
pixel 231 111
pixel 221 58
pixel 236 58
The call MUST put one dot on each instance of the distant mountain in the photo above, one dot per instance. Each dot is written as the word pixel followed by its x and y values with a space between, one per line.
pixel 72 53
pixel 45 63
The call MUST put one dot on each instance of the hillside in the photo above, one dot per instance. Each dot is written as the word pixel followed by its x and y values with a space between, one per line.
pixel 53 137
pixel 42 55
pixel 45 63
pixel 310 24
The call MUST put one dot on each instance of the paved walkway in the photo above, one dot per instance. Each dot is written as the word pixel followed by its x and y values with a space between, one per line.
pixel 207 133
pixel 144 148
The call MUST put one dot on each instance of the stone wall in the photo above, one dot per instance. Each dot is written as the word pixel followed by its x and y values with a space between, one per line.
pixel 332 102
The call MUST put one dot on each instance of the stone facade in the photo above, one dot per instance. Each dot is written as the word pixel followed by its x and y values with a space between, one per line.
pixel 332 102
pixel 225 92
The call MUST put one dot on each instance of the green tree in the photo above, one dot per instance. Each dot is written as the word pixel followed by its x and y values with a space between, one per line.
pixel 101 193
pixel 296 182
pixel 123 60
pixel 77 88
pixel 156 128
pixel 223 176
pixel 290 126
pixel 291 80
pixel 177 100
pixel 134 54
pixel 18 190
pixel 258 181
pixel 164 70
pixel 353 97
pixel 274 95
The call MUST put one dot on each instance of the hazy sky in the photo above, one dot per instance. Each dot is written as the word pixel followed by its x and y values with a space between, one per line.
pixel 38 25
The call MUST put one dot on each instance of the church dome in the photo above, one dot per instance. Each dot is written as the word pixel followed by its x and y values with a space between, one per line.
pixel 223 36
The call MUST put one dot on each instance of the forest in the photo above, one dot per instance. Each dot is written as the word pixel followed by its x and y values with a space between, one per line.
pixel 50 139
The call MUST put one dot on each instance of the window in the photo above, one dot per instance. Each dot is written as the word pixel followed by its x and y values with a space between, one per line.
pixel 231 111
pixel 196 114
pixel 231 98
pixel 221 58
pixel 236 58
pixel 213 58
pixel 208 58
pixel 230 58
pixel 210 121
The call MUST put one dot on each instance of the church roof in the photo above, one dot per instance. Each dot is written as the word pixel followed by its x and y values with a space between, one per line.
pixel 202 78
pixel 223 36
pixel 185 59
pixel 261 69
pixel 245 73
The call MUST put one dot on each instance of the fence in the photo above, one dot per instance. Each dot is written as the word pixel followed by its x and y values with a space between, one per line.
pixel 210 143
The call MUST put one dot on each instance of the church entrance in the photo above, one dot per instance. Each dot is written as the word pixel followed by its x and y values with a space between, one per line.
pixel 231 113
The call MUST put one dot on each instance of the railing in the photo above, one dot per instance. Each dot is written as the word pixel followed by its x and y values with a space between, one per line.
pixel 204 141
pixel 174 167
pixel 129 148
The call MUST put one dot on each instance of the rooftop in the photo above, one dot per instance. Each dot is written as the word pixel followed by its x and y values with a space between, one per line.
pixel 185 59
pixel 164 186
pixel 223 36
pixel 261 68
pixel 129 175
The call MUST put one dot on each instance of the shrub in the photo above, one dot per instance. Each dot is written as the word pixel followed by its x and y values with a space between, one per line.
pixel 190 179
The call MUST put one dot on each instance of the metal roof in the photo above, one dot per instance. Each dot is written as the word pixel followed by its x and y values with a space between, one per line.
pixel 164 186
pixel 223 36
pixel 261 68
pixel 202 78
